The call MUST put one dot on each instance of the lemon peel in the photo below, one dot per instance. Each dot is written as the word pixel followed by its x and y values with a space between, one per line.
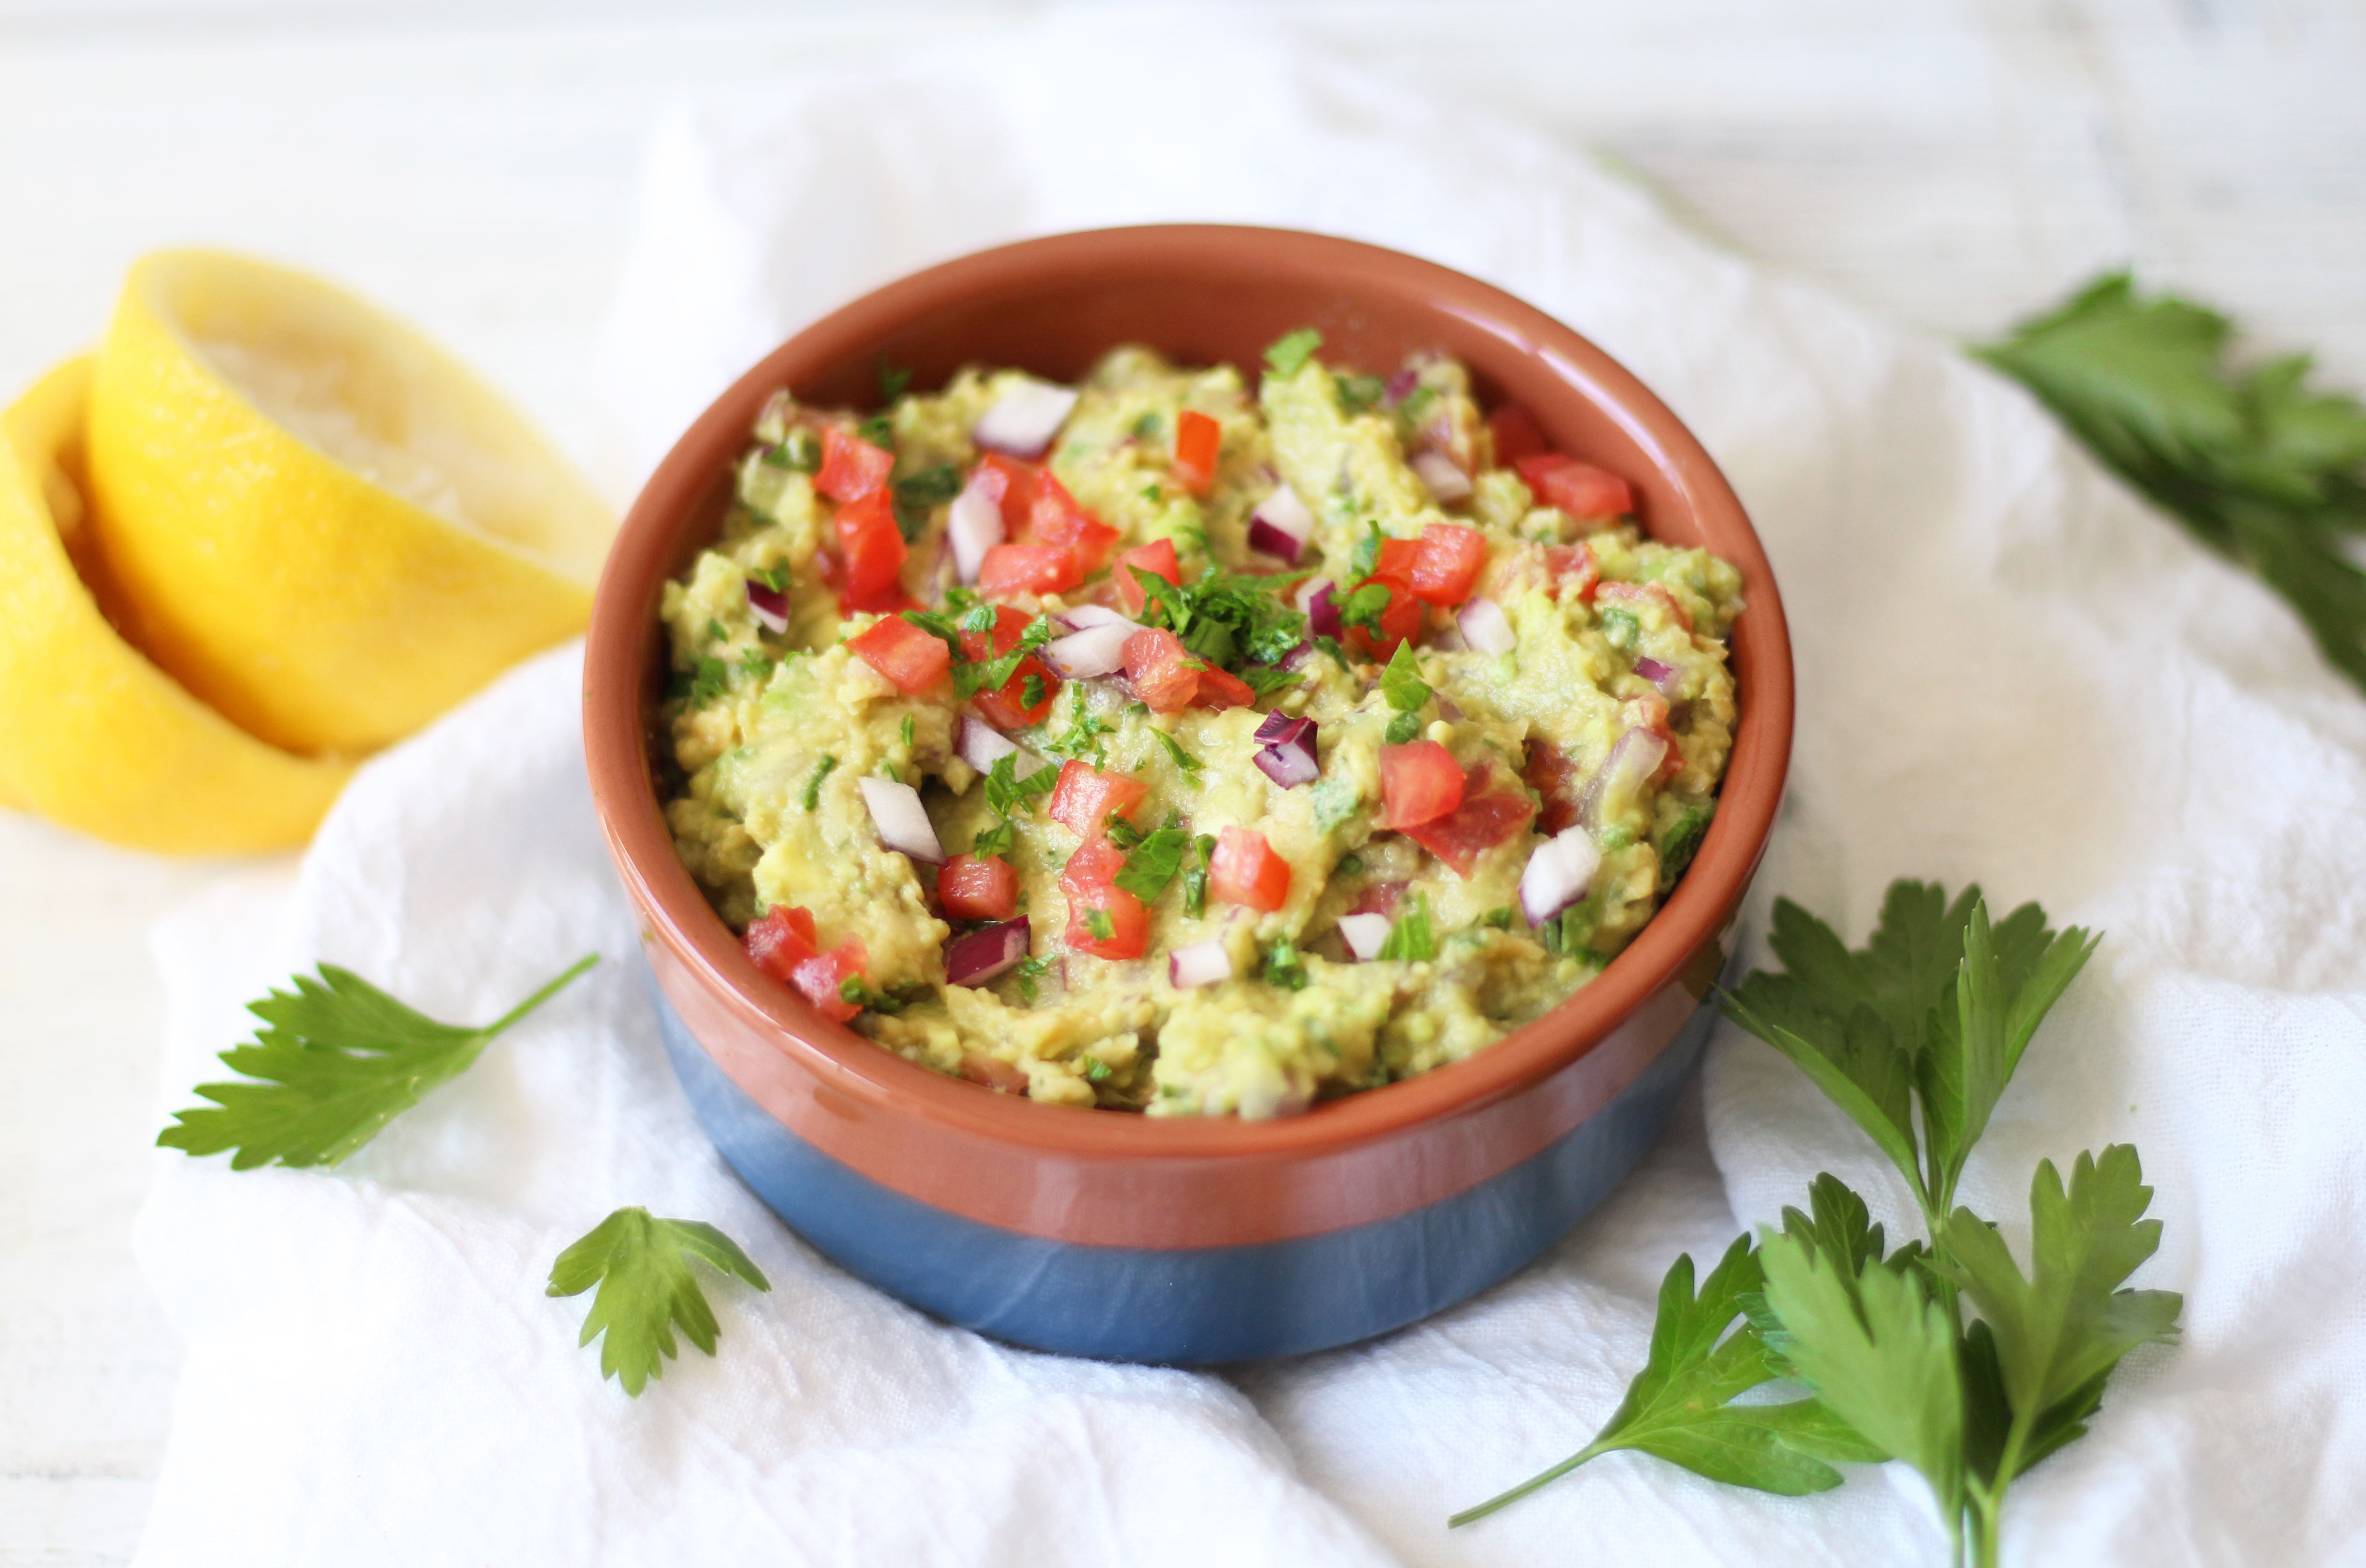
pixel 323 525
pixel 92 735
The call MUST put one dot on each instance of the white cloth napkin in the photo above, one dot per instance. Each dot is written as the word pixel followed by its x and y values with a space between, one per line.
pixel 2009 672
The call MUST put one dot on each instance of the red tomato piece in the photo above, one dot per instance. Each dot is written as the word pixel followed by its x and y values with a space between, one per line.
pixel 1447 562
pixel 1552 775
pixel 1219 689
pixel 1654 709
pixel 1573 570
pixel 1157 560
pixel 1053 517
pixel 1011 483
pixel 1420 782
pixel 1197 438
pixel 1085 797
pixel 780 940
pixel 903 653
pixel 1476 825
pixel 1095 864
pixel 1028 568
pixel 1396 561
pixel 1579 489
pixel 1244 869
pixel 851 466
pixel 872 551
pixel 1120 913
pixel 1006 707
pixel 820 978
pixel 976 889
pixel 1517 434
pixel 1380 899
pixel 1642 593
pixel 1401 619
pixel 1010 626
pixel 1163 674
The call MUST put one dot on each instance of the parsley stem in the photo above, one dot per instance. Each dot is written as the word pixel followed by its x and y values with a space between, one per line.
pixel 1544 1478
pixel 540 996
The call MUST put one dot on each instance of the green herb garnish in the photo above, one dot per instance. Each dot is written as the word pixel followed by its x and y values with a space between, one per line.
pixel 1285 967
pixel 991 675
pixel 711 678
pixel 1183 759
pixel 1097 922
pixel 799 452
pixel 2264 469
pixel 916 494
pixel 1289 354
pixel 334 1063
pixel 878 430
pixel 1154 862
pixel 1146 426
pixel 811 798
pixel 647 1289
pixel 1409 939
pixel 1195 875
pixel 1358 393
pixel 775 578
pixel 1028 971
pixel 893 381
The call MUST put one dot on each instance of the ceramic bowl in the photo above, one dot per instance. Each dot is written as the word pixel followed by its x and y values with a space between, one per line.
pixel 1183 1240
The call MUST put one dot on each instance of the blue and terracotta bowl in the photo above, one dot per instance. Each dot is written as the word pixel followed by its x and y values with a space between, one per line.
pixel 1183 1240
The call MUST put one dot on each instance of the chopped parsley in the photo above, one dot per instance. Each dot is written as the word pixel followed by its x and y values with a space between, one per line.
pixel 1285 967
pixel 1368 550
pixel 1226 618
pixel 822 770
pixel 1361 608
pixel 893 381
pixel 879 430
pixel 756 662
pixel 1499 918
pixel 994 675
pixel 712 678
pixel 1154 862
pixel 1682 841
pixel 916 494
pixel 799 452
pixel 1410 941
pixel 1028 971
pixel 775 578
pixel 1033 691
pixel 1289 354
pixel 1007 793
pixel 1356 392
pixel 715 632
pixel 907 732
pixel 1084 734
pixel 1195 875
pixel 1176 754
pixel 1146 427
pixel 1097 922
pixel 1095 1070
pixel 1351 865
pixel 1402 728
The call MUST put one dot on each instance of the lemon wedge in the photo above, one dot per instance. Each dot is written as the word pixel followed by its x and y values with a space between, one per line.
pixel 92 735
pixel 322 524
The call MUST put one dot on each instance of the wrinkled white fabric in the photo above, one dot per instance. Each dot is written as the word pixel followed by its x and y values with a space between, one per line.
pixel 2009 672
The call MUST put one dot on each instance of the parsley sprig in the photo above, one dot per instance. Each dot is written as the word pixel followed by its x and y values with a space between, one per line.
pixel 336 1060
pixel 1406 692
pixel 648 1290
pixel 2259 465
pixel 1231 619
pixel 1914 1036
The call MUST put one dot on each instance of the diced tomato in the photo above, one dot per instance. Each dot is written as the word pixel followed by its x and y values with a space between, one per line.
pixel 1028 568
pixel 1420 782
pixel 1127 922
pixel 1003 1077
pixel 1156 558
pixel 1163 674
pixel 1517 434
pixel 1244 869
pixel 1220 689
pixel 1579 489
pixel 1006 707
pixel 780 940
pixel 1010 626
pixel 975 889
pixel 872 551
pixel 1574 570
pixel 1396 561
pixel 903 653
pixel 851 466
pixel 1399 620
pixel 1485 818
pixel 1643 593
pixel 1011 481
pixel 1095 864
pixel 1197 438
pixel 818 978
pixel 1380 899
pixel 1085 797
pixel 1552 775
pixel 1053 517
pixel 1446 564
pixel 1654 711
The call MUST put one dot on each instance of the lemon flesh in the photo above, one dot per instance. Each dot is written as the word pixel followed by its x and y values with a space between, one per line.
pixel 323 525
pixel 92 735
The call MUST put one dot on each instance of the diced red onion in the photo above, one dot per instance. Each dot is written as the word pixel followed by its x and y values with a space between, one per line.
pixel 1449 709
pixel 1276 725
pixel 1486 628
pixel 1636 757
pixel 1364 934
pixel 1400 385
pixel 1287 757
pixel 1279 525
pixel 1095 651
pixel 769 605
pixel 902 821
pixel 1378 898
pixel 1322 608
pixel 975 523
pixel 1084 617
pixel 1668 680
pixel 978 956
pixel 1446 481
pixel 981 745
pixel 1202 964
pixel 1558 874
pixel 1024 419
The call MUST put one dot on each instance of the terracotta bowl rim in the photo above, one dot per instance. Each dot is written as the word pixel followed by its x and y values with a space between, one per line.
pixel 874 1079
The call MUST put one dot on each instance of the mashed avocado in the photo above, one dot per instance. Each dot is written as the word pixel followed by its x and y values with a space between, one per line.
pixel 1159 889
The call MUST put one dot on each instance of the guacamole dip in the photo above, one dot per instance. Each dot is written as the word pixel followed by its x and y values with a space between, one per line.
pixel 1180 744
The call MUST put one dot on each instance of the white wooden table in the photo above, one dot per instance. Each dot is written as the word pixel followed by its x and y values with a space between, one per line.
pixel 472 165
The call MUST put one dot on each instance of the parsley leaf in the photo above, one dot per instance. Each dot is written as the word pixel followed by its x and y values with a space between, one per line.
pixel 1154 862
pixel 775 578
pixel 1190 764
pixel 1678 1407
pixel 1097 922
pixel 1288 354
pixel 1146 426
pixel 332 1064
pixel 1401 684
pixel 878 430
pixel 799 452
pixel 2263 468
pixel 647 1288
pixel 1284 967
pixel 1409 939
pixel 709 680
pixel 916 494
pixel 1362 608
pixel 993 674
pixel 893 381
pixel 1195 875
pixel 811 798
pixel 1007 793
pixel 1367 554
pixel 1264 680
pixel 1028 971
pixel 1358 393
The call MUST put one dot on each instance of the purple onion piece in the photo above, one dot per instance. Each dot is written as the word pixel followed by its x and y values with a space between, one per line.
pixel 978 956
pixel 1323 612
pixel 1636 757
pixel 769 605
pixel 1449 709
pixel 1400 386
pixel 1486 628
pixel 1289 759
pixel 1281 525
pixel 1278 726
pixel 1669 681
pixel 1202 964
pixel 1024 419
pixel 903 823
pixel 1558 874
pixel 1364 934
